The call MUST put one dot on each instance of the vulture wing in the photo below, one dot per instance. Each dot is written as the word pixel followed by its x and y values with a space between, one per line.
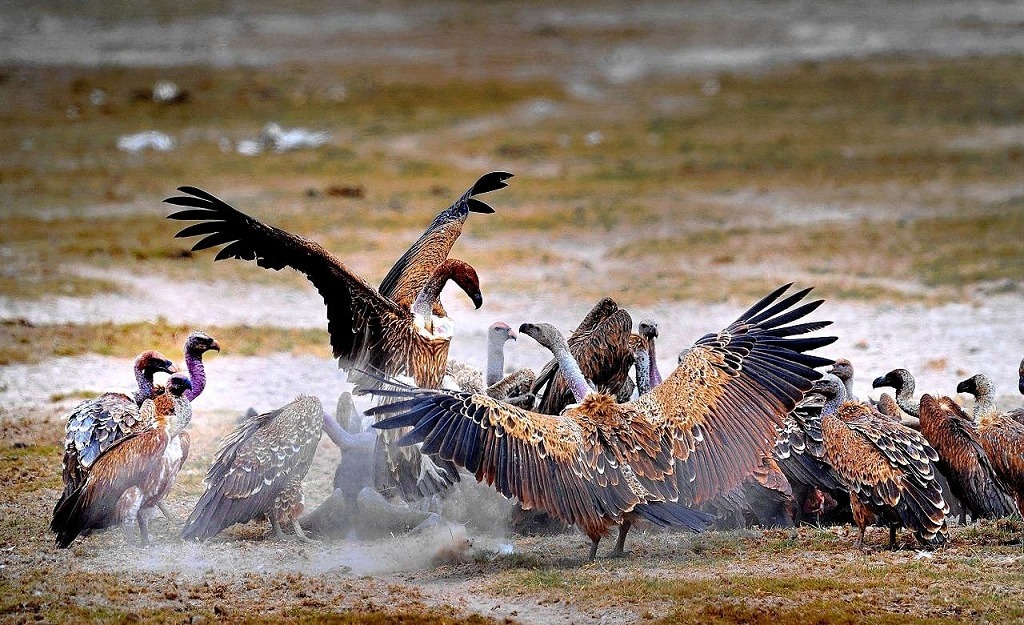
pixel 254 464
pixel 962 458
pixel 93 504
pixel 358 316
pixel 601 311
pixel 413 269
pixel 710 421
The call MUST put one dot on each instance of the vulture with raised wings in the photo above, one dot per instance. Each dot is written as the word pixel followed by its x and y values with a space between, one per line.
pixel 601 464
pixel 402 332
pixel 888 468
pixel 129 478
pixel 1002 436
pixel 258 471
pixel 96 424
pixel 962 458
pixel 601 347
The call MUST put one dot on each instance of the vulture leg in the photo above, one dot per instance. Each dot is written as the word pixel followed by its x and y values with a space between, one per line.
pixel 144 528
pixel 170 516
pixel 593 549
pixel 299 533
pixel 278 534
pixel 892 537
pixel 620 544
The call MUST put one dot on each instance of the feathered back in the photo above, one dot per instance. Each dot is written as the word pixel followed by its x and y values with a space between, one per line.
pixel 888 467
pixel 253 465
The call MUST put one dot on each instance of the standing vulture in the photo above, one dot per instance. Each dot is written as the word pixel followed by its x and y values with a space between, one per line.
pixel 962 458
pixel 258 471
pixel 400 331
pixel 1001 435
pixel 96 424
pixel 888 468
pixel 601 464
pixel 130 478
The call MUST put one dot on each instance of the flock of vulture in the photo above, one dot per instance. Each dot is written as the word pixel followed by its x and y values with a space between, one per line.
pixel 746 424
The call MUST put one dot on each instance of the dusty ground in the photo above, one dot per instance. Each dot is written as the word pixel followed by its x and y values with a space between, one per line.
pixel 683 158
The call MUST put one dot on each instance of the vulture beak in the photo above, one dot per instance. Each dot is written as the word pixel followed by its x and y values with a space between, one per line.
pixel 215 345
pixel 512 334
pixel 478 300
pixel 1020 385
pixel 168 367
pixel 963 387
pixel 880 381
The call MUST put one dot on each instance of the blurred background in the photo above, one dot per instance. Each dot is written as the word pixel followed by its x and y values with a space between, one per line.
pixel 684 158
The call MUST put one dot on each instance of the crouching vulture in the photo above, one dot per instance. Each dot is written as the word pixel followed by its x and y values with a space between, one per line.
pixel 400 330
pixel 258 471
pixel 600 464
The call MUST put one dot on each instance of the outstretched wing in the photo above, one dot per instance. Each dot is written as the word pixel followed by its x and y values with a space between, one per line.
pixel 358 316
pixel 413 269
pixel 593 463
pixel 731 389
pixel 254 464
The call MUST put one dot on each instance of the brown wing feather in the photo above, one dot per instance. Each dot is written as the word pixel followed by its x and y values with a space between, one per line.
pixel 254 464
pixel 124 465
pixel 603 309
pixel 359 318
pixel 604 356
pixel 962 459
pixel 881 463
pixel 1003 440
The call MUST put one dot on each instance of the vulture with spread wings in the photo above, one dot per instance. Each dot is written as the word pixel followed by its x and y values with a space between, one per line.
pixel 601 464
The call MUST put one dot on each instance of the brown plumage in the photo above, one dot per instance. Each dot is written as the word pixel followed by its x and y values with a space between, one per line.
pixel 94 425
pixel 130 478
pixel 406 278
pixel 1002 436
pixel 599 463
pixel 887 406
pixel 888 468
pixel 258 471
pixel 962 458
pixel 601 347
pixel 368 330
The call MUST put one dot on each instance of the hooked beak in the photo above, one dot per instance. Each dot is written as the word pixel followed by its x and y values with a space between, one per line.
pixel 215 345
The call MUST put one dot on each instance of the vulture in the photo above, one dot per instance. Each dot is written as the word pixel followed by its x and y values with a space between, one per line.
pixel 887 468
pixel 258 471
pixel 129 478
pixel 843 369
pixel 599 464
pixel 903 382
pixel 962 459
pixel 513 388
pixel 399 330
pixel 96 424
pixel 197 344
pixel 601 347
pixel 1001 435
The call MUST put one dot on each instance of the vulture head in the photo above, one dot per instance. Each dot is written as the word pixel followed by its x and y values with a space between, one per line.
pixel 462 274
pixel 152 362
pixel 545 334
pixel 199 342
pixel 500 332
pixel 975 385
pixel 177 384
pixel 842 369
pixel 832 389
pixel 897 379
pixel 649 329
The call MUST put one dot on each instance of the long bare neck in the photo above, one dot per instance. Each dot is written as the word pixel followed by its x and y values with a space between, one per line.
pixel 495 359
pixel 196 374
pixel 984 399
pixel 654 376
pixel 431 291
pixel 643 372
pixel 144 380
pixel 905 397
pixel 569 368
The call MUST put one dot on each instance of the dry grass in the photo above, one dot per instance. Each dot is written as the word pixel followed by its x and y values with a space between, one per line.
pixel 24 342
